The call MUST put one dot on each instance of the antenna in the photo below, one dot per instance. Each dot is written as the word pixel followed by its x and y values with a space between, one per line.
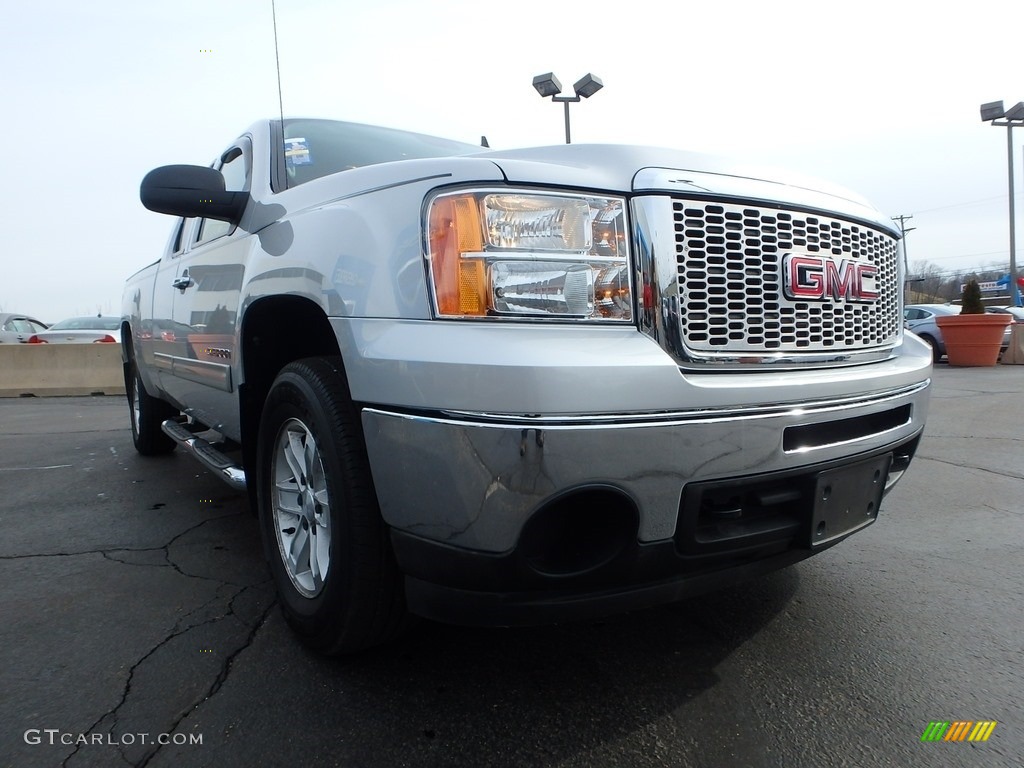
pixel 280 101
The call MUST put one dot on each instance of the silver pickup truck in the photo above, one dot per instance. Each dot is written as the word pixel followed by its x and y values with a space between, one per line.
pixel 508 387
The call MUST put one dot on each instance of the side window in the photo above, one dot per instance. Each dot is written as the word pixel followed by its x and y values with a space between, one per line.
pixel 234 167
pixel 23 325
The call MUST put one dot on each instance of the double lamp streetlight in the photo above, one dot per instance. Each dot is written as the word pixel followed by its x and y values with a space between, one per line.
pixel 548 85
pixel 994 114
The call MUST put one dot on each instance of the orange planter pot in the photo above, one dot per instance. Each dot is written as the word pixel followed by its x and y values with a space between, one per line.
pixel 973 340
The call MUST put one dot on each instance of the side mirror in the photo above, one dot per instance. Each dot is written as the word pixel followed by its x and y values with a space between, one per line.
pixel 191 191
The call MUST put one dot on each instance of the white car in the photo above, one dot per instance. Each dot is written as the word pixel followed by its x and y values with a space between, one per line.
pixel 80 330
pixel 17 329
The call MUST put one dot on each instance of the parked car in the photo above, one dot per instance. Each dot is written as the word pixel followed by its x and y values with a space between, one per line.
pixel 1017 312
pixel 17 329
pixel 511 387
pixel 80 330
pixel 920 318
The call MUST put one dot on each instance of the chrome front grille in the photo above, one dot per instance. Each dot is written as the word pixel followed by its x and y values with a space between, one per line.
pixel 732 300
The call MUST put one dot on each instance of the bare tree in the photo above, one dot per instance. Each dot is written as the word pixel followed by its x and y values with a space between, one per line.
pixel 926 283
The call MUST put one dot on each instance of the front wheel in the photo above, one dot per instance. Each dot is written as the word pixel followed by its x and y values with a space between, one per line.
pixel 327 545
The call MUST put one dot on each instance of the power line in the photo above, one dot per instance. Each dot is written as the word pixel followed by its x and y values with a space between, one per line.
pixel 962 205
pixel 968 255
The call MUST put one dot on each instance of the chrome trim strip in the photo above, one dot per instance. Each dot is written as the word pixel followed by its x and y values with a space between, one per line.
pixel 693 416
pixel 783 361
pixel 216 375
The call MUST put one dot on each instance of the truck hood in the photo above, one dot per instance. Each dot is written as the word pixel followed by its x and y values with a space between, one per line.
pixel 639 169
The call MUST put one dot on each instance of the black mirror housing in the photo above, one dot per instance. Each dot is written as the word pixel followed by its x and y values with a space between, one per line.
pixel 191 191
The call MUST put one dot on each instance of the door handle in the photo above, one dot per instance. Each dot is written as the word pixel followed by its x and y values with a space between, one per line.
pixel 183 282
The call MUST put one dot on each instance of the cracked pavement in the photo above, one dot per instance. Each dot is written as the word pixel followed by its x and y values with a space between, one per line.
pixel 134 600
pixel 130 585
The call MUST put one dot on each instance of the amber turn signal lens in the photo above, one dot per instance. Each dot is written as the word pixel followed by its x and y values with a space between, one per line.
pixel 455 229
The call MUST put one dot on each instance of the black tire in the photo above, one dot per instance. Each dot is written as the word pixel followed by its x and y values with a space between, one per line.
pixel 335 573
pixel 147 413
pixel 936 354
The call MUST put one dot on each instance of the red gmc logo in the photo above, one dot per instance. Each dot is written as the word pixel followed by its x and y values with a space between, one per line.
pixel 820 277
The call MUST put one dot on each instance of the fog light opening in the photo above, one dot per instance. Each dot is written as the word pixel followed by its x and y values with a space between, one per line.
pixel 579 531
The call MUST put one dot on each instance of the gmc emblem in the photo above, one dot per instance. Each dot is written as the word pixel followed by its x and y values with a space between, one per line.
pixel 820 277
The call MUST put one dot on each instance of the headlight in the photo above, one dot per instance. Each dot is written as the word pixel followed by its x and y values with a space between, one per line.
pixel 525 254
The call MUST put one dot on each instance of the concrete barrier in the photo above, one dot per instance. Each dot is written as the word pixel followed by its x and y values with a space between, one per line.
pixel 1014 355
pixel 49 370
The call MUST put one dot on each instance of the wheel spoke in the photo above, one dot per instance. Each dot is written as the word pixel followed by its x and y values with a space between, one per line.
pixel 294 454
pixel 311 457
pixel 287 497
pixel 314 554
pixel 298 548
pixel 320 559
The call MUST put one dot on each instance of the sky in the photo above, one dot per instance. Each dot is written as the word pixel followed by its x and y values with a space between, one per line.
pixel 881 97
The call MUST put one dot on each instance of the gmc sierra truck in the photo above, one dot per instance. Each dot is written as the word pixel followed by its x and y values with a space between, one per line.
pixel 508 387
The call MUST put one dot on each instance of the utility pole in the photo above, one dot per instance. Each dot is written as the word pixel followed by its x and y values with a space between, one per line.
pixel 902 220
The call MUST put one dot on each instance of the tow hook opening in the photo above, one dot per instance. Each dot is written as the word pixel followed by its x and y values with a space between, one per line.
pixel 580 531
pixel 900 463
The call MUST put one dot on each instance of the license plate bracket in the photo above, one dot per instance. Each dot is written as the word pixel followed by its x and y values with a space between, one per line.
pixel 846 499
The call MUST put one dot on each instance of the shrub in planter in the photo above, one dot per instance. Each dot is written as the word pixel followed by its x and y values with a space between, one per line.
pixel 972 338
pixel 970 299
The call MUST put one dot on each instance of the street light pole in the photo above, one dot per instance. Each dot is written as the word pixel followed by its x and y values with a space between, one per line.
pixel 548 85
pixel 566 100
pixel 1013 229
pixel 994 114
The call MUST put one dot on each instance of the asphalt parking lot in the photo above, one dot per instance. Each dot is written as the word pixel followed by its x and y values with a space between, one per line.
pixel 135 608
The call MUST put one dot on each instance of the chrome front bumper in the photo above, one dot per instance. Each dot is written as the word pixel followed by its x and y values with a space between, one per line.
pixel 473 481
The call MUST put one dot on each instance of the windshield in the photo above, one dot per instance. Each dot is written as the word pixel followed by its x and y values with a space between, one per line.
pixel 315 148
pixel 87 324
